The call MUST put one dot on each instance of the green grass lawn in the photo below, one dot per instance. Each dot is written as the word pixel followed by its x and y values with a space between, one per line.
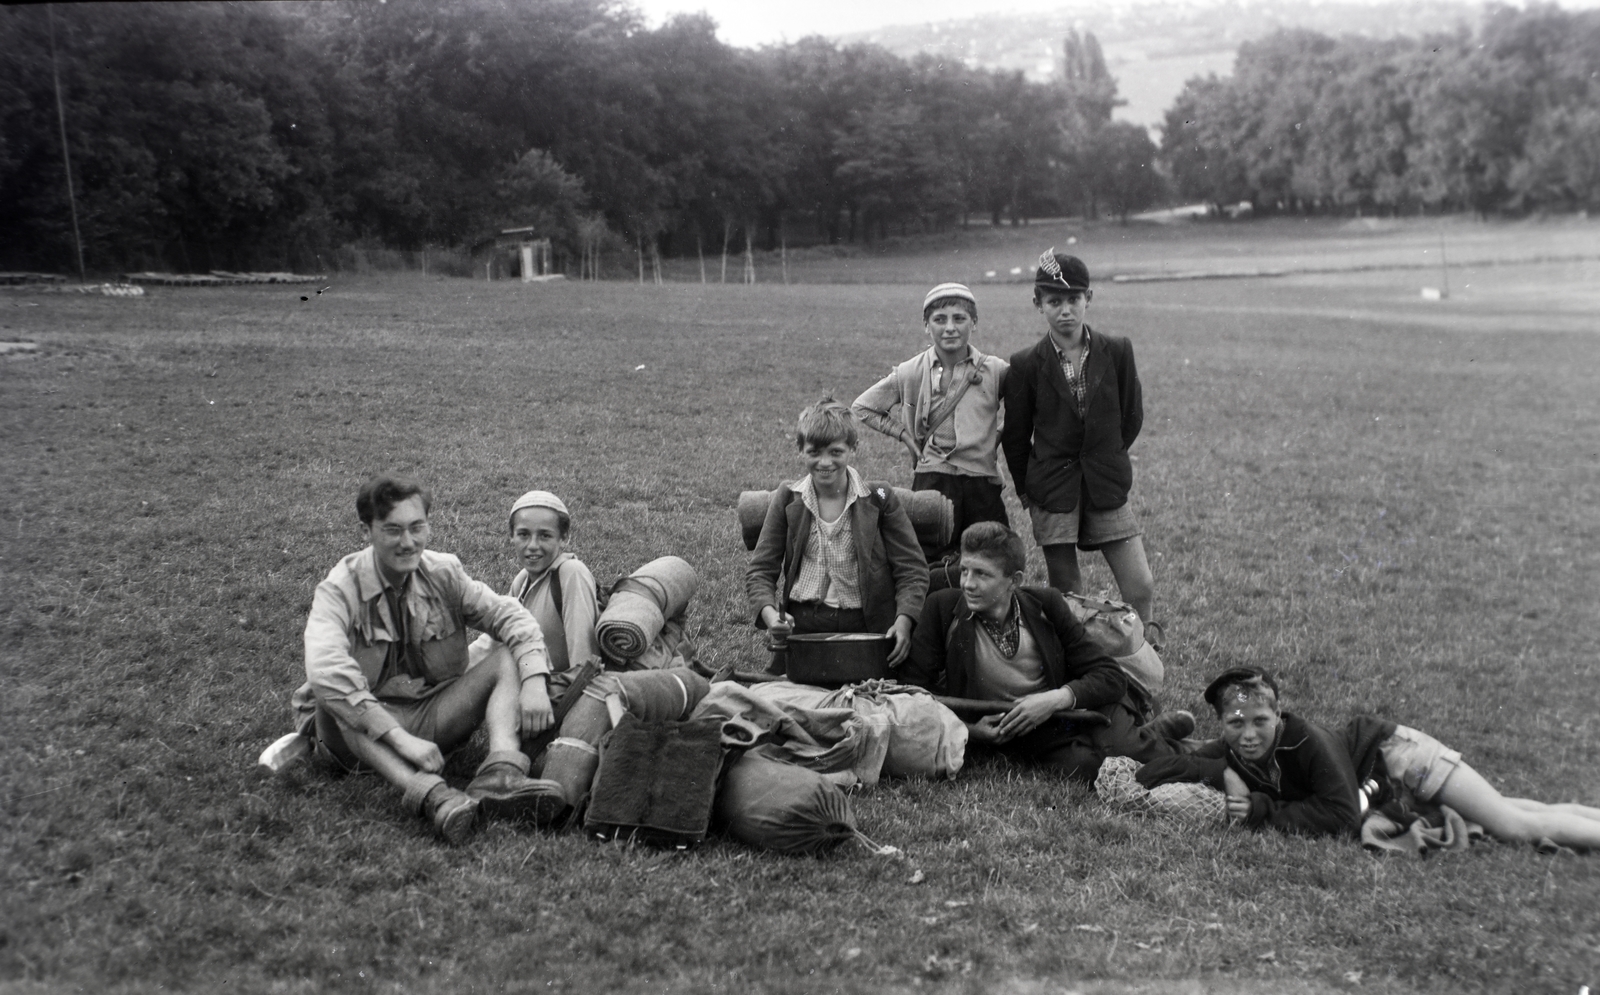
pixel 1391 502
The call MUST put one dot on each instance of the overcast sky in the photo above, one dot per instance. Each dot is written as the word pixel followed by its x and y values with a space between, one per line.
pixel 749 23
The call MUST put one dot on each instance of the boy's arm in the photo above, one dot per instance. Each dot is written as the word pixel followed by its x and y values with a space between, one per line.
pixel 1095 678
pixel 874 409
pixel 1016 437
pixel 1132 398
pixel 874 405
pixel 503 617
pixel 925 667
pixel 766 563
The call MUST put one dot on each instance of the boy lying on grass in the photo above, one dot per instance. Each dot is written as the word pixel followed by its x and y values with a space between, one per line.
pixel 995 640
pixel 840 555
pixel 943 405
pixel 386 668
pixel 1284 772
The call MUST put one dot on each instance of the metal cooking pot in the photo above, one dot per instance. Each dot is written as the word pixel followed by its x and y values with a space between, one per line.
pixel 833 659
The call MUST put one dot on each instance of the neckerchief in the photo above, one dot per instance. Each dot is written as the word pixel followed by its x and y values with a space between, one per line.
pixel 1008 634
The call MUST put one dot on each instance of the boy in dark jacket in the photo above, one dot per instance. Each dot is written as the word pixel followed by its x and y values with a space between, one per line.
pixel 837 554
pixel 1287 773
pixel 1073 407
pixel 995 640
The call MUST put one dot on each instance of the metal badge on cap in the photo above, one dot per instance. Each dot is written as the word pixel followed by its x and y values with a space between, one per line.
pixel 1048 263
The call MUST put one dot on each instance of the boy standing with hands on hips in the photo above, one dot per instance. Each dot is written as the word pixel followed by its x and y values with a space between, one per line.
pixel 1073 407
pixel 943 405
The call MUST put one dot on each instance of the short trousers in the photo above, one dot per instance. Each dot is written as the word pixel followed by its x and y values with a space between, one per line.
pixel 417 716
pixel 1087 527
pixel 1418 761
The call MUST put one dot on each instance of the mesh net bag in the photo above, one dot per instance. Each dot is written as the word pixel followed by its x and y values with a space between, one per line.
pixel 1189 804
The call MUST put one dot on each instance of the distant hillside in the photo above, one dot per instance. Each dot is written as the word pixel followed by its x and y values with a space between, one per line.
pixel 1152 48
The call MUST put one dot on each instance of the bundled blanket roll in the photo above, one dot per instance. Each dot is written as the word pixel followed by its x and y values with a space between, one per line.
pixel 641 604
pixel 931 513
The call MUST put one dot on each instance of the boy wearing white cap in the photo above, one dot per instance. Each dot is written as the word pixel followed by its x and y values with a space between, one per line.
pixel 948 417
pixel 556 586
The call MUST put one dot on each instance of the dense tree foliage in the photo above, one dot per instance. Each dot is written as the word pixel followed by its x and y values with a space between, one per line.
pixel 1506 120
pixel 238 135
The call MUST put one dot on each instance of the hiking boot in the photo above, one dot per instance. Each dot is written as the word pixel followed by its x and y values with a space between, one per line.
pixel 454 815
pixel 505 791
pixel 1177 724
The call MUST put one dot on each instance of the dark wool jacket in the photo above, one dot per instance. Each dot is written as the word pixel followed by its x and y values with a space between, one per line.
pixel 1318 774
pixel 943 653
pixel 893 574
pixel 1057 451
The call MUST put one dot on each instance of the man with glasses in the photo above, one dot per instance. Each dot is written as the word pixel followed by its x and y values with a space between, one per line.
pixel 1073 407
pixel 387 685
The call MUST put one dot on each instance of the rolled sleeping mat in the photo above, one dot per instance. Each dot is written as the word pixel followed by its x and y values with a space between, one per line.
pixel 931 513
pixel 640 605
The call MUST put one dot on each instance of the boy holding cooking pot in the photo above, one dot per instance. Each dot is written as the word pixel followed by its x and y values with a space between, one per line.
pixel 1061 700
pixel 836 554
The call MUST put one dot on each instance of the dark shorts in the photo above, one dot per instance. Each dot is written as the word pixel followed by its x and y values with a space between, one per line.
pixel 974 499
pixel 1078 749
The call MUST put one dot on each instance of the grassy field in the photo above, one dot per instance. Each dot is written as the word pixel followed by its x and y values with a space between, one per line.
pixel 1392 502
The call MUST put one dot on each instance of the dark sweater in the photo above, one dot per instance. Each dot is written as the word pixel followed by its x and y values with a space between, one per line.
pixel 1058 451
pixel 944 655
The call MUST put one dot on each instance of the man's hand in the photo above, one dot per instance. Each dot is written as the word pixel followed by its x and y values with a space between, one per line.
pixel 536 713
pixel 1238 796
pixel 1030 712
pixel 984 730
pixel 416 751
pixel 900 632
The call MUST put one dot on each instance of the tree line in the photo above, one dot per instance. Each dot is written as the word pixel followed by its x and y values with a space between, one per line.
pixel 234 136
pixel 1504 120
pixel 266 136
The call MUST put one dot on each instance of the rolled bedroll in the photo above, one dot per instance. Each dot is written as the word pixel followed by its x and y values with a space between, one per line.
pixel 640 605
pixel 931 513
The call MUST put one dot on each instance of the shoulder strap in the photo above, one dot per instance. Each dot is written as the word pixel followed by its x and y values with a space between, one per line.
pixel 555 591
pixel 944 409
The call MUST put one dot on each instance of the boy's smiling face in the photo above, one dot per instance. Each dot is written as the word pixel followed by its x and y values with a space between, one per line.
pixel 828 464
pixel 1063 309
pixel 949 328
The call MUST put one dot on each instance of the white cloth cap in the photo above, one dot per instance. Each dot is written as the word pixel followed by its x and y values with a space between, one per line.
pixel 949 290
pixel 539 499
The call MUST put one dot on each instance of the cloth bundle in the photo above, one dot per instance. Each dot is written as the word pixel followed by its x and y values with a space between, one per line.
pixel 783 807
pixel 641 606
pixel 932 515
pixel 838 743
pixel 926 739
pixel 1443 829
pixel 1187 802
pixel 656 781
